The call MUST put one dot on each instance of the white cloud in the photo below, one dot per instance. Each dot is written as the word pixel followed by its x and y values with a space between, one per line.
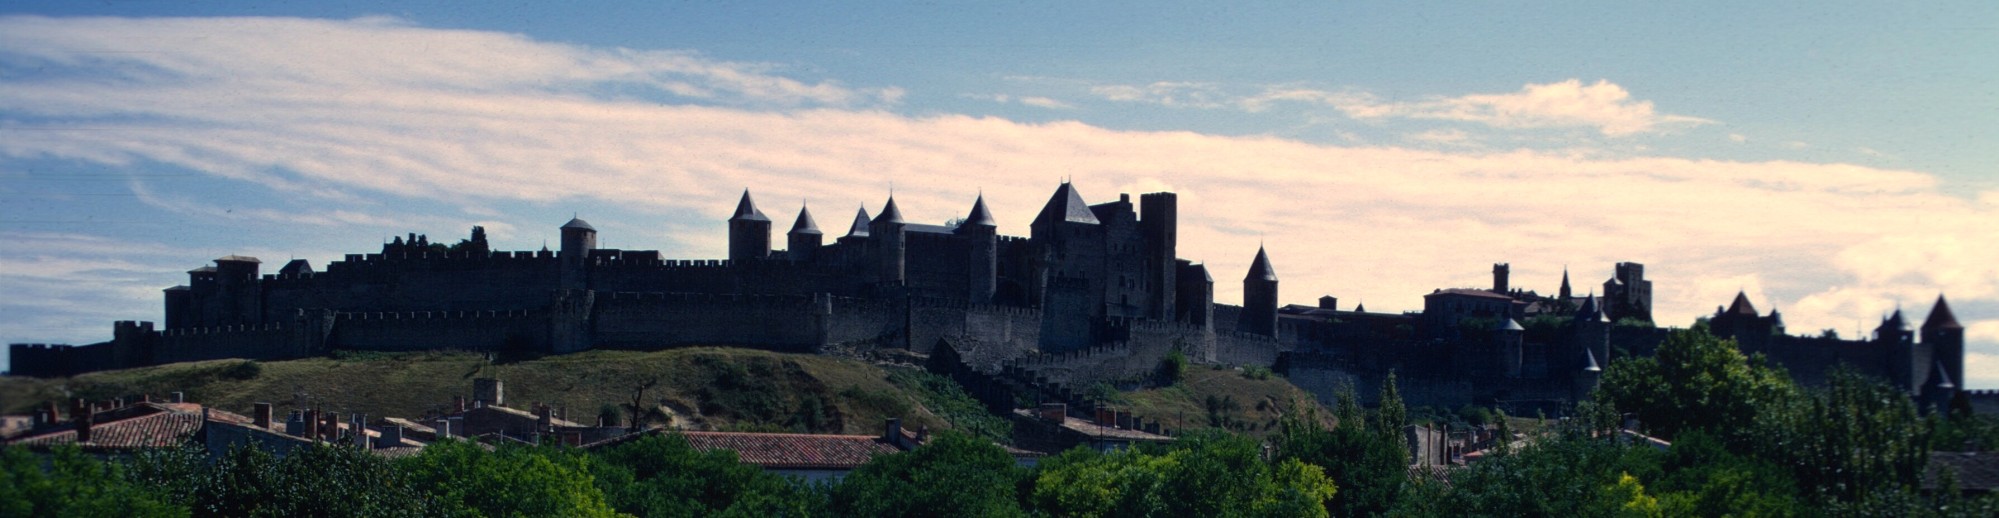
pixel 1045 102
pixel 1603 106
pixel 345 121
pixel 1441 136
pixel 1737 138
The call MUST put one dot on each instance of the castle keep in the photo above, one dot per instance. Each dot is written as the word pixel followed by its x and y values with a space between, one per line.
pixel 1094 293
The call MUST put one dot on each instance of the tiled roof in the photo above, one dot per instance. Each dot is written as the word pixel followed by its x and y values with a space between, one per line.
pixel 1090 428
pixel 1976 472
pixel 794 451
pixel 152 426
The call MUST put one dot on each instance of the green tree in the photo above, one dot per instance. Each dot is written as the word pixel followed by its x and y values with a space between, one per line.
pixel 1391 415
pixel 662 475
pixel 1855 436
pixel 1371 468
pixel 73 484
pixel 466 480
pixel 1206 474
pixel 1695 381
pixel 954 475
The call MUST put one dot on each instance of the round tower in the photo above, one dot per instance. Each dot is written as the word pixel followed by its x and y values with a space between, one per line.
pixel 982 234
pixel 890 243
pixel 749 232
pixel 1259 297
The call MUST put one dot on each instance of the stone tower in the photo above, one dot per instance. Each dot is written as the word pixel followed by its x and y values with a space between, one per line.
pixel 749 232
pixel 1946 340
pixel 1499 273
pixel 890 244
pixel 1159 220
pixel 1259 297
pixel 802 243
pixel 578 239
pixel 981 233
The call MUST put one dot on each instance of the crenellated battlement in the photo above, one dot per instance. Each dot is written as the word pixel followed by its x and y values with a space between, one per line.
pixel 216 330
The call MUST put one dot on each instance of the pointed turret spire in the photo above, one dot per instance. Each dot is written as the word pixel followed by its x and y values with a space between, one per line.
pixel 1943 377
pixel 804 225
pixel 1741 305
pixel 1897 322
pixel 1565 284
pixel 889 214
pixel 1260 269
pixel 1589 359
pixel 1066 205
pixel 746 210
pixel 980 216
pixel 1588 310
pixel 1360 308
pixel 860 228
pixel 1941 317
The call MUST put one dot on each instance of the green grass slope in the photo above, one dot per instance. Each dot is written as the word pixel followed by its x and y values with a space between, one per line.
pixel 1249 401
pixel 702 388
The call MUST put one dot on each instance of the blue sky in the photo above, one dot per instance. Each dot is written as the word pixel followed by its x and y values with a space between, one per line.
pixel 1833 160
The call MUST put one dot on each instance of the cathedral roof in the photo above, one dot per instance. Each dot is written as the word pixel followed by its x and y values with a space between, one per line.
pixel 1741 306
pixel 578 223
pixel 860 228
pixel 804 225
pixel 1066 205
pixel 1941 317
pixel 889 214
pixel 1260 269
pixel 746 210
pixel 980 216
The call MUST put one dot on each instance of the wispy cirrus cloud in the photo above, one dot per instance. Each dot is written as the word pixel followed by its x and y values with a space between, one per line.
pixel 348 121
pixel 1602 106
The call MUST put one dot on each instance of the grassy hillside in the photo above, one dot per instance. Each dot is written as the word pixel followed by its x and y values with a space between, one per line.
pixel 1249 401
pixel 703 388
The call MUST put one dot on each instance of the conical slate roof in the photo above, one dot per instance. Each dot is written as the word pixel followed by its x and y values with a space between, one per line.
pixel 889 214
pixel 1360 308
pixel 1066 205
pixel 1896 322
pixel 1509 325
pixel 578 223
pixel 1941 317
pixel 1741 306
pixel 1588 309
pixel 860 228
pixel 1591 365
pixel 980 216
pixel 746 210
pixel 1943 377
pixel 804 225
pixel 1260 269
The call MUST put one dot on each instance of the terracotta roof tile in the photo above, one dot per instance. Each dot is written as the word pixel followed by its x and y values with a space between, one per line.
pixel 794 451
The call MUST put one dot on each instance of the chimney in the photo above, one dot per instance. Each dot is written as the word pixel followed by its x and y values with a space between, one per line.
pixel 177 397
pixel 488 391
pixel 309 424
pixel 81 413
pixel 458 402
pixel 261 414
pixel 360 430
pixel 893 432
pixel 443 428
pixel 542 420
pixel 50 413
pixel 1054 412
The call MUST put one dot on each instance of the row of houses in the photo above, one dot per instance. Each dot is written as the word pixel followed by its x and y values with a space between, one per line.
pixel 119 427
